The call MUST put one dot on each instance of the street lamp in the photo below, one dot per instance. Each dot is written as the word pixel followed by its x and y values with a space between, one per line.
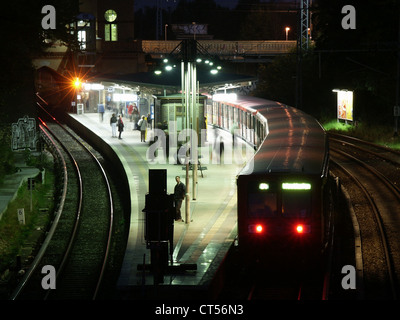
pixel 287 32
pixel 194 30
pixel 165 32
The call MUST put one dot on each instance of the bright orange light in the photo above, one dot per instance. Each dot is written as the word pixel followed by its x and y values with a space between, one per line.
pixel 299 228
pixel 259 228
pixel 77 83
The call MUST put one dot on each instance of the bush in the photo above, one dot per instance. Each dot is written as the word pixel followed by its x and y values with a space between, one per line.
pixel 6 155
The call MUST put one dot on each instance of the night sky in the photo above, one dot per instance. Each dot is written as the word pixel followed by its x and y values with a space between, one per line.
pixel 152 3
pixel 223 3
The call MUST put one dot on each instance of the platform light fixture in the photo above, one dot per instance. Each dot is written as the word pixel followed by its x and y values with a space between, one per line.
pixel 77 83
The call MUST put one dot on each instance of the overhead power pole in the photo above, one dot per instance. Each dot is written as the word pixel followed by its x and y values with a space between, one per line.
pixel 304 24
pixel 302 45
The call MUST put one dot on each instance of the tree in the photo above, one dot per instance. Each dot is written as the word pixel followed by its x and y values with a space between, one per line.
pixel 363 59
pixel 22 39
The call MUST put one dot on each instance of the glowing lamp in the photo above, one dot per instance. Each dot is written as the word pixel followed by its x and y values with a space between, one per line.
pixel 256 228
pixel 263 186
pixel 296 186
pixel 303 228
pixel 299 228
pixel 77 83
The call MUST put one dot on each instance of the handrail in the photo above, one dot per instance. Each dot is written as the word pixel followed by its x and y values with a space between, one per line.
pixel 227 48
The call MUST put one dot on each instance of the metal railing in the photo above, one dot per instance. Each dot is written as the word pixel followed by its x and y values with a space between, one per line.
pixel 224 48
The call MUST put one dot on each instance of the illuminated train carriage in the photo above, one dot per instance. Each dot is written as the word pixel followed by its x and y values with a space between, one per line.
pixel 228 110
pixel 282 193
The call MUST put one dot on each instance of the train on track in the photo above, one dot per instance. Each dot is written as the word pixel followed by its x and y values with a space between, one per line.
pixel 283 191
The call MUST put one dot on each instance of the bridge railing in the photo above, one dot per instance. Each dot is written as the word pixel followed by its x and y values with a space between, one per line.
pixel 224 48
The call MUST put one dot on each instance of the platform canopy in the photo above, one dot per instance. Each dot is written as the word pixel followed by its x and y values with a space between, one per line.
pixel 171 80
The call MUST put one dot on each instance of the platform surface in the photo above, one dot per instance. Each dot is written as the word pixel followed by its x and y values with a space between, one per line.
pixel 203 239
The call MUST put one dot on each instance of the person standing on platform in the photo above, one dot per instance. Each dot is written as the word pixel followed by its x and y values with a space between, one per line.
pixel 135 116
pixel 179 195
pixel 142 126
pixel 120 126
pixel 149 121
pixel 100 109
pixel 113 124
pixel 130 110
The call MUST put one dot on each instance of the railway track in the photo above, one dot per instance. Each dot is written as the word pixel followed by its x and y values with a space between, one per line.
pixel 280 279
pixel 369 173
pixel 79 241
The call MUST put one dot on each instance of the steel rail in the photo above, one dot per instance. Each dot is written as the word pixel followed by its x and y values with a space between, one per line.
pixel 378 218
pixel 78 213
pixel 109 236
pixel 53 227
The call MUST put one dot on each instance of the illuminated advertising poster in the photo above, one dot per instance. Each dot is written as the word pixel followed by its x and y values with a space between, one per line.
pixel 345 105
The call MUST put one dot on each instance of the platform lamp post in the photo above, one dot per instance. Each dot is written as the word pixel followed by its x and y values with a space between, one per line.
pixel 189 92
pixel 190 51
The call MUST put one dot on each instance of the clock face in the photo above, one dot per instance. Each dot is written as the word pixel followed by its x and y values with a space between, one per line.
pixel 110 15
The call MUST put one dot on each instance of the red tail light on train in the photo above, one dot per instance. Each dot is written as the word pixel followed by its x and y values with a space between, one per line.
pixel 302 228
pixel 256 228
pixel 299 228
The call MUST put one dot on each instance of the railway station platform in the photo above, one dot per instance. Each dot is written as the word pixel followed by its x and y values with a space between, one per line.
pixel 202 241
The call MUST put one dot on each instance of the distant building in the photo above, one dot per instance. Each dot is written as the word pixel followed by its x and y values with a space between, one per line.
pixel 105 31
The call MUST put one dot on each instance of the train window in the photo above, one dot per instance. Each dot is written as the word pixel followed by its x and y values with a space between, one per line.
pixel 262 204
pixel 296 204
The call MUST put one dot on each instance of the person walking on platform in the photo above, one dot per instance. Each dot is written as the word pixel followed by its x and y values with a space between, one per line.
pixel 179 195
pixel 120 126
pixel 113 124
pixel 100 108
pixel 142 126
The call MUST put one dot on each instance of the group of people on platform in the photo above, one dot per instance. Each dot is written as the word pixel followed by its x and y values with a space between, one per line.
pixel 141 125
pixel 180 188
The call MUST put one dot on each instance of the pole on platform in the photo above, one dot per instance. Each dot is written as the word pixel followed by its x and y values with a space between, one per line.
pixel 194 138
pixel 186 92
